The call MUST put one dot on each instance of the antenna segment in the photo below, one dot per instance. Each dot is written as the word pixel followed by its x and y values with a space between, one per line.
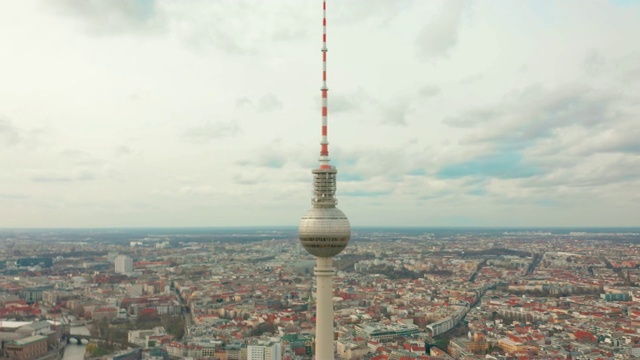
pixel 324 143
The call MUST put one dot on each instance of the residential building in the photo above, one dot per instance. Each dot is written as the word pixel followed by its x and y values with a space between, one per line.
pixel 264 350
pixel 123 264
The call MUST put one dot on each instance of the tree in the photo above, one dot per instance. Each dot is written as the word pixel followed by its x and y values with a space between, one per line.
pixel 263 328
pixel 174 325
pixel 91 348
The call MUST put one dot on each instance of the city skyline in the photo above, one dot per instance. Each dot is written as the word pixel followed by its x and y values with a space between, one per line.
pixel 153 113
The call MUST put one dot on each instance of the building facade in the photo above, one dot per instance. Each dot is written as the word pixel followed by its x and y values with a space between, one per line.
pixel 28 348
pixel 124 264
pixel 267 350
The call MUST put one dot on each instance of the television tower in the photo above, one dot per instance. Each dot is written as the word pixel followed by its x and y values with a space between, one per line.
pixel 324 230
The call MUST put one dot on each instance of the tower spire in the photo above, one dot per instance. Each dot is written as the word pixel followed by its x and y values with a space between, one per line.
pixel 324 143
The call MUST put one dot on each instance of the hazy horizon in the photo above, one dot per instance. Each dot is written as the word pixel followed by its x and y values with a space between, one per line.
pixel 354 228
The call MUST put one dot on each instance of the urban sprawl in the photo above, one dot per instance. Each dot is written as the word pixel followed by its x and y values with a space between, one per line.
pixel 249 294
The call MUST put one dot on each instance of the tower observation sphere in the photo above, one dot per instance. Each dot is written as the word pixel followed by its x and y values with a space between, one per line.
pixel 324 230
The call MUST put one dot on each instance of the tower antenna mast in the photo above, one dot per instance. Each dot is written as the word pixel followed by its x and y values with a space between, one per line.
pixel 324 143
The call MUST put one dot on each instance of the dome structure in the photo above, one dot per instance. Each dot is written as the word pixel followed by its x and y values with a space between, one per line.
pixel 324 231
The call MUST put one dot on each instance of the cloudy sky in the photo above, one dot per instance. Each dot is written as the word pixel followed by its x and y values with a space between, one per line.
pixel 206 113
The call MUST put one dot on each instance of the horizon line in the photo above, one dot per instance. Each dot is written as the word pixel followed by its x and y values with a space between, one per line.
pixel 295 226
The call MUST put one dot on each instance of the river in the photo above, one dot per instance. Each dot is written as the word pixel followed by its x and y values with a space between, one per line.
pixel 74 351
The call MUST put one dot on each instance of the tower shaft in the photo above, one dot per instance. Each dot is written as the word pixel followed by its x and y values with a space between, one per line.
pixel 324 308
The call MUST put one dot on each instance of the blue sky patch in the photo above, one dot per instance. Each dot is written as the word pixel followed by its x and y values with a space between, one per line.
pixel 625 2
pixel 417 172
pixel 507 165
pixel 363 193
pixel 477 192
pixel 275 163
pixel 546 202
pixel 349 177
pixel 144 9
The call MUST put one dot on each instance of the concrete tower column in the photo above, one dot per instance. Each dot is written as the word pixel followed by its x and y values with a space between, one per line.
pixel 324 308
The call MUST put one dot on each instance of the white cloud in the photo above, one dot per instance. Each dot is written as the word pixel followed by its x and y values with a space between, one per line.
pixel 440 33
pixel 115 17
pixel 396 113
pixel 146 113
pixel 268 102
pixel 9 134
pixel 212 131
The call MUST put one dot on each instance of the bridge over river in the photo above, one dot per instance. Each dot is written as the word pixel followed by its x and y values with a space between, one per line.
pixel 84 337
pixel 71 334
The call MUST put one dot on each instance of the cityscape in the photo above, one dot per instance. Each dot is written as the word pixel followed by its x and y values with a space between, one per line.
pixel 155 163
pixel 414 293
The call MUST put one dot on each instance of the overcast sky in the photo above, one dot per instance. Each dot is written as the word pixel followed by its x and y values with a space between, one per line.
pixel 207 113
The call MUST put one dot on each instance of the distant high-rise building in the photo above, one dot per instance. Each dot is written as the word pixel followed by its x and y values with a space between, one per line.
pixel 324 230
pixel 124 264
pixel 267 350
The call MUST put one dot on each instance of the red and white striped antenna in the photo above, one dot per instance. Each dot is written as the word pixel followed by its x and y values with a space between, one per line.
pixel 324 143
